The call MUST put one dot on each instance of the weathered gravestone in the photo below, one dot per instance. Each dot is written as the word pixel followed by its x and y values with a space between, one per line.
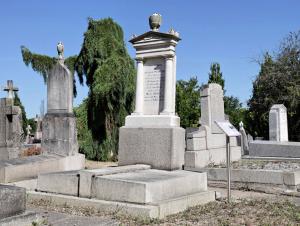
pixel 152 133
pixel 207 145
pixel 59 124
pixel 10 125
pixel 278 128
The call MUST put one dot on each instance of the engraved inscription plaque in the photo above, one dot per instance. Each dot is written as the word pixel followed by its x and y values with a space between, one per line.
pixel 154 82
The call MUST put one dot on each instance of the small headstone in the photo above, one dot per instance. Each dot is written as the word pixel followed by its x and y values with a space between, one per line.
pixel 212 106
pixel 278 128
pixel 244 139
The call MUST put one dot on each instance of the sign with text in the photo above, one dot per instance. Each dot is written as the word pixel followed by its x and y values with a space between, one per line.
pixel 228 128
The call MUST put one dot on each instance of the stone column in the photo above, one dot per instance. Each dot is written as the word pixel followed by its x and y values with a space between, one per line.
pixel 139 95
pixel 174 86
pixel 168 92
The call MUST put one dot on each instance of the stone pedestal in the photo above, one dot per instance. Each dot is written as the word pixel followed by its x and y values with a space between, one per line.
pixel 160 147
pixel 59 134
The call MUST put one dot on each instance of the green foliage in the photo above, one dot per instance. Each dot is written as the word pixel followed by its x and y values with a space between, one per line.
pixel 32 123
pixel 278 82
pixel 188 102
pixel 110 75
pixel 17 102
pixel 233 108
pixel 42 64
pixel 215 75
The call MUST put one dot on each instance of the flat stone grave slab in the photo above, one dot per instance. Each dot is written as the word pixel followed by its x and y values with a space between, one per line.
pixel 274 149
pixel 148 186
pixel 284 174
pixel 29 167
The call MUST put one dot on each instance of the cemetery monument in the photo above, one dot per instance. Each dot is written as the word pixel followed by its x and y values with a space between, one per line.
pixel 278 144
pixel 59 123
pixel 152 133
pixel 207 145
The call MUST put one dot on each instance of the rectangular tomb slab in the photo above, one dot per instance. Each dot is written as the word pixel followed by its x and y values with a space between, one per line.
pixel 148 186
pixel 12 200
pixel 274 149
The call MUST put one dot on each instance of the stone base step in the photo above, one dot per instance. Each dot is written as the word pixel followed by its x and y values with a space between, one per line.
pixel 157 210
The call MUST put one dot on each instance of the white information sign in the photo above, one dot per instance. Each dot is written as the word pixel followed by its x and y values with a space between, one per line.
pixel 228 128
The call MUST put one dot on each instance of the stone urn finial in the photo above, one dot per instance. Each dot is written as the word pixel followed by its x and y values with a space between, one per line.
pixel 60 51
pixel 155 21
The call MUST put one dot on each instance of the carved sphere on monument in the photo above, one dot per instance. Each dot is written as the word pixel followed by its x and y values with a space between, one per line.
pixel 155 21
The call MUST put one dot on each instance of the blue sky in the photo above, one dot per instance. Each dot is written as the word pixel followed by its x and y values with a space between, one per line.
pixel 233 33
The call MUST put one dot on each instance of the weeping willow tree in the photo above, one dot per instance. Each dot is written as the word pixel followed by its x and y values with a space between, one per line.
pixel 110 75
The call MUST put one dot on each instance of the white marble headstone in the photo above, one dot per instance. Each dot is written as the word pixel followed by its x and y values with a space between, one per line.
pixel 278 128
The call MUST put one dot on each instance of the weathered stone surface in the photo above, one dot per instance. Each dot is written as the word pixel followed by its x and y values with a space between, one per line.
pixel 10 129
pixel 12 200
pixel 278 129
pixel 29 167
pixel 60 90
pixel 59 134
pixel 212 106
pixel 65 183
pixel 160 147
pixel 86 176
pixel 215 156
pixel 274 149
pixel 148 186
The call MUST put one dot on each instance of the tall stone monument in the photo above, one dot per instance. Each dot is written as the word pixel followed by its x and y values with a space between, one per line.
pixel 59 124
pixel 152 133
pixel 10 124
pixel 207 145
pixel 278 128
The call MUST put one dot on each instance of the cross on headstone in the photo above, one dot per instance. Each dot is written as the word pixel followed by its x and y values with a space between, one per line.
pixel 10 89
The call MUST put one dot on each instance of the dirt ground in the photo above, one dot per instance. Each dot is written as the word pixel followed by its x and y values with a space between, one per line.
pixel 247 208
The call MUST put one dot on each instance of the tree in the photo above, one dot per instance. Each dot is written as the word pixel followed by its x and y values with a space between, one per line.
pixel 234 109
pixel 232 106
pixel 188 102
pixel 17 102
pixel 278 82
pixel 110 75
pixel 215 75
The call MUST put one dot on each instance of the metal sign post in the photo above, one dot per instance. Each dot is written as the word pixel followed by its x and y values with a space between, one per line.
pixel 228 160
pixel 230 131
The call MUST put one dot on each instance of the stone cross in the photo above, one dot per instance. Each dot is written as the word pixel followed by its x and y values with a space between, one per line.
pixel 10 89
